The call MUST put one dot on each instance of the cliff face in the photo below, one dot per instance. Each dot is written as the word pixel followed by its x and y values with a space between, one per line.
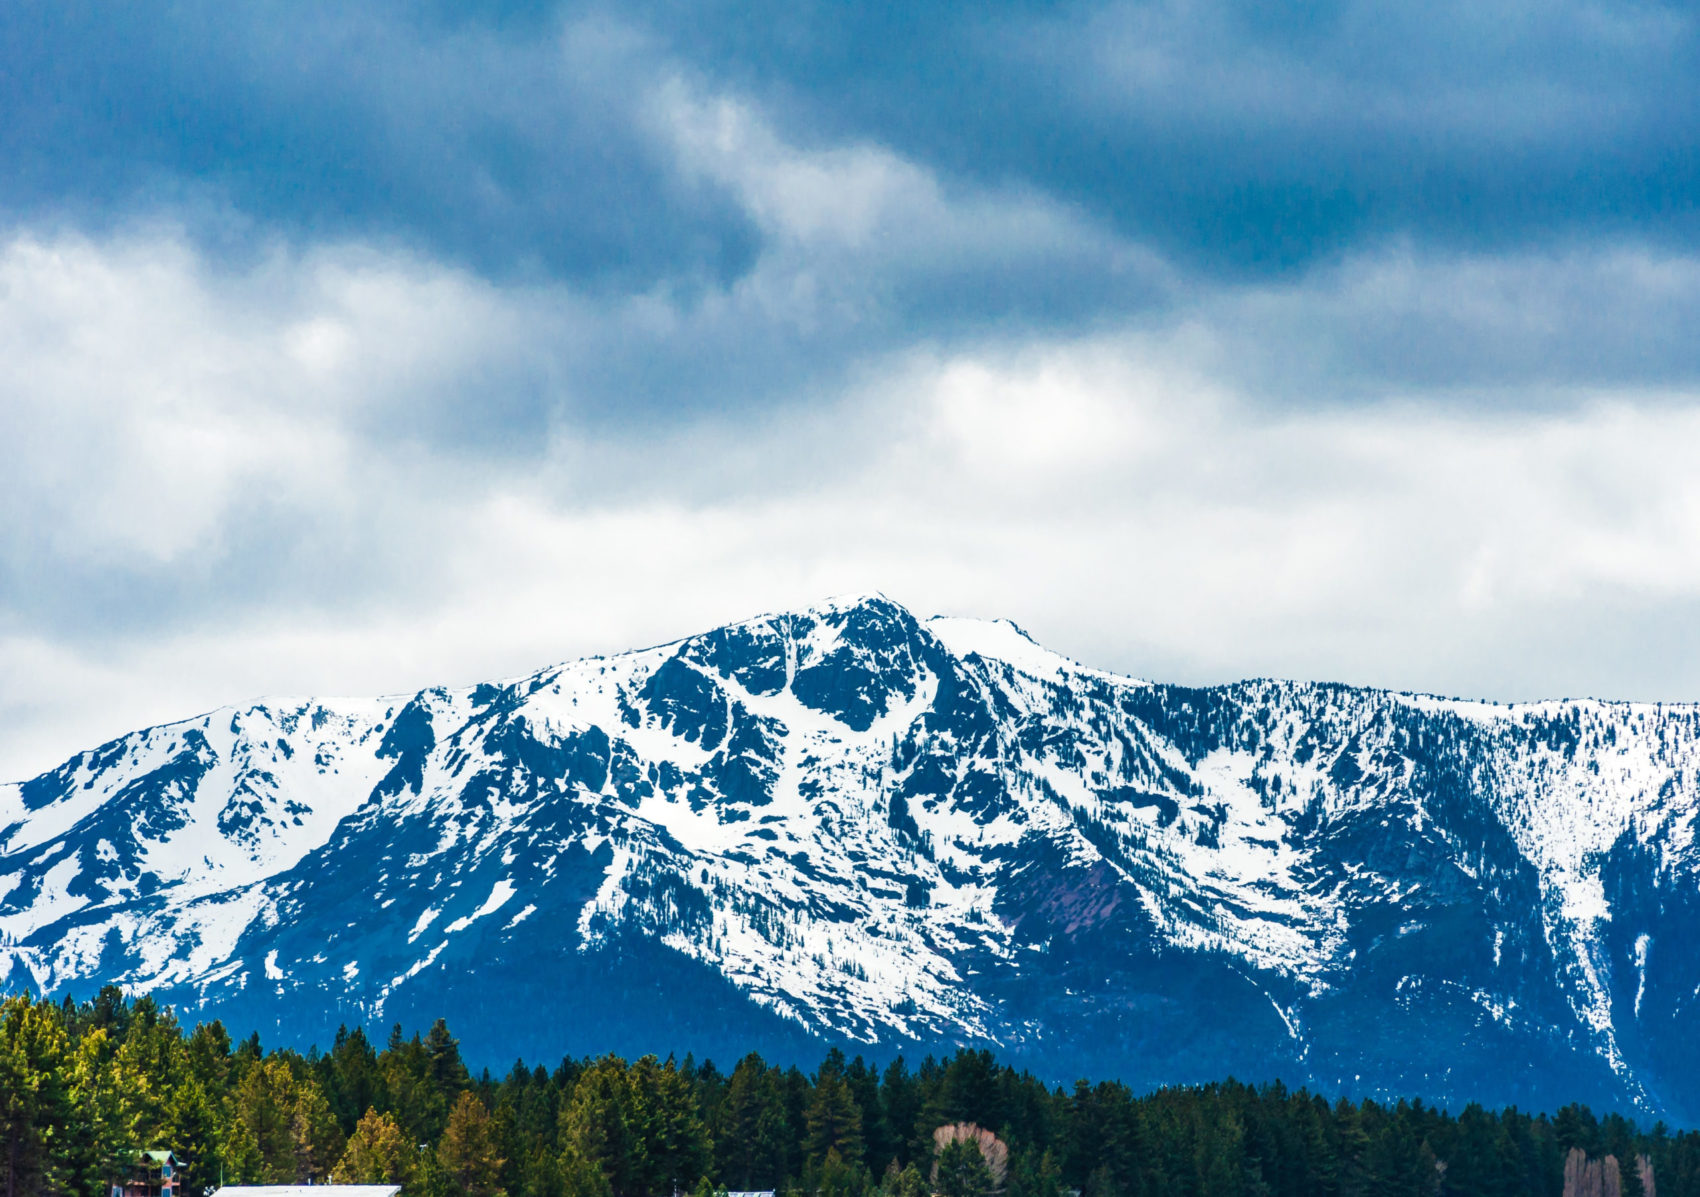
pixel 847 823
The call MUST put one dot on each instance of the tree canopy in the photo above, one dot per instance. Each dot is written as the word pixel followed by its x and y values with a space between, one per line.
pixel 85 1087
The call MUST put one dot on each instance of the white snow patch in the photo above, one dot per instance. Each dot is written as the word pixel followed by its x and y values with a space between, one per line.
pixel 53 902
pixel 1002 640
pixel 1642 943
pixel 499 893
pixel 425 920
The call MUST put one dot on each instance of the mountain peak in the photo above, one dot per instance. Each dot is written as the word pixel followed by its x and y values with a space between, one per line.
pixel 854 600
pixel 840 822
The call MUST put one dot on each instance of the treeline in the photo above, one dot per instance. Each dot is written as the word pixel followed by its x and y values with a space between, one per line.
pixel 84 1087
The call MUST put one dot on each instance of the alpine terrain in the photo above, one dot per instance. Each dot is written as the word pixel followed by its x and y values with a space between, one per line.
pixel 850 824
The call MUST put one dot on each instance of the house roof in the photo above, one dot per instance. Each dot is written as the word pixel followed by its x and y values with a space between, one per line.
pixel 158 1157
pixel 308 1191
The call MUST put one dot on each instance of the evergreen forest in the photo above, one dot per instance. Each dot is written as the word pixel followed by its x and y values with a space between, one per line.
pixel 86 1086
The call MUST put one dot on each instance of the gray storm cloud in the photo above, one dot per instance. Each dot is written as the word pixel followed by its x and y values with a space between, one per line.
pixel 1203 340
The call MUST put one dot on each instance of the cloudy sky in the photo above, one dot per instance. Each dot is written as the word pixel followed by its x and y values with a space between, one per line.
pixel 350 349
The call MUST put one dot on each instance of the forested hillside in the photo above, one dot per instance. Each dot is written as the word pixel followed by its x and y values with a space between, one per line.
pixel 84 1086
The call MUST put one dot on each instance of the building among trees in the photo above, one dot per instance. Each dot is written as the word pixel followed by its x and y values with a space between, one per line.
pixel 156 1174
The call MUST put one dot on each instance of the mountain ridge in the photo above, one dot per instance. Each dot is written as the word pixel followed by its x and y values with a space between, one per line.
pixel 849 823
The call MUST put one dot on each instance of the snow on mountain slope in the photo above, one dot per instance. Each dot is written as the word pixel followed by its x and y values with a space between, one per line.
pixel 849 823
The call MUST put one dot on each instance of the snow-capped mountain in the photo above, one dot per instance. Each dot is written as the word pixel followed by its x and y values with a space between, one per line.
pixel 848 823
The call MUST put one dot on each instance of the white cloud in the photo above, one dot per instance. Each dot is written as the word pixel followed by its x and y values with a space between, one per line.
pixel 216 487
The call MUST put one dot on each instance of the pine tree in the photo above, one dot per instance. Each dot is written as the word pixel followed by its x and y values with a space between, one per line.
pixel 833 1177
pixel 208 1053
pixel 1102 1183
pixel 82 1088
pixel 1349 1145
pixel 596 1130
pixel 750 1131
pixel 191 1133
pixel 961 1171
pixel 900 1104
pixel 969 1092
pixel 878 1142
pixel 316 1134
pixel 34 1098
pixel 411 1090
pixel 833 1119
pixel 1083 1139
pixel 467 1152
pixel 446 1069
pixel 378 1152
pixel 903 1182
pixel 264 1104
pixel 1035 1174
pixel 96 1143
pixel 510 1143
pixel 542 1176
pixel 352 1082
pixel 580 1176
pixel 673 1144
pixel 1220 1159
pixel 150 1063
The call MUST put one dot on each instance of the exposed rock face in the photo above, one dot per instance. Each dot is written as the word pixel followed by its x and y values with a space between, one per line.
pixel 847 823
